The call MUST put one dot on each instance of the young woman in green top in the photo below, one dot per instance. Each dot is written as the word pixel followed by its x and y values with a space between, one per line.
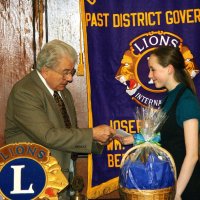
pixel 179 133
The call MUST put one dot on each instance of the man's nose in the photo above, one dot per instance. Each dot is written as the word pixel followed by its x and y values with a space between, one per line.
pixel 69 77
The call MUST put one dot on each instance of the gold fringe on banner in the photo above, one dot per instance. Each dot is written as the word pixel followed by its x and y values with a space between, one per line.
pixel 80 71
pixel 111 185
pixel 90 120
pixel 104 188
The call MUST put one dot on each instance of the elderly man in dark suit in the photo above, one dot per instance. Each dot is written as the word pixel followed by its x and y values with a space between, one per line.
pixel 34 116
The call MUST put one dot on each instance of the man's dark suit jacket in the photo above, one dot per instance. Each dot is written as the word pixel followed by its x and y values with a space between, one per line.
pixel 33 116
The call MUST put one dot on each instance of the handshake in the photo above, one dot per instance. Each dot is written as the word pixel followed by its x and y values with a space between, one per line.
pixel 104 134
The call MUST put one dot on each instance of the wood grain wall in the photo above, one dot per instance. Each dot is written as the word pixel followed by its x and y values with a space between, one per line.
pixel 16 52
pixel 25 25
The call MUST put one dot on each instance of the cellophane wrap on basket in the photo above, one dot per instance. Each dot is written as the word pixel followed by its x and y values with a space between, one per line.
pixel 148 167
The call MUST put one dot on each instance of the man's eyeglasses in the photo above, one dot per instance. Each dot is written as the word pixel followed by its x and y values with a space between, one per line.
pixel 66 72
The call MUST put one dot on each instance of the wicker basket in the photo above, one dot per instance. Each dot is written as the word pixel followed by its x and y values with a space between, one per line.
pixel 157 194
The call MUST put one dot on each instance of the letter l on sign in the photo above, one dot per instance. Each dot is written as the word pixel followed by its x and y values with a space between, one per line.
pixel 17 181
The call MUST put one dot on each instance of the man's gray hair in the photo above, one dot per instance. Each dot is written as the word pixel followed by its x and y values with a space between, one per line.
pixel 53 51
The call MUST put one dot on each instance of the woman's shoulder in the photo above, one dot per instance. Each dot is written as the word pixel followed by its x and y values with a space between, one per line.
pixel 188 98
pixel 188 106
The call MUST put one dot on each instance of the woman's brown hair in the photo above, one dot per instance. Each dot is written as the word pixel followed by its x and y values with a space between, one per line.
pixel 171 55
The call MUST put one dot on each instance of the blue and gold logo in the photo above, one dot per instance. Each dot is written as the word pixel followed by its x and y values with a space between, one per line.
pixel 92 2
pixel 27 171
pixel 134 70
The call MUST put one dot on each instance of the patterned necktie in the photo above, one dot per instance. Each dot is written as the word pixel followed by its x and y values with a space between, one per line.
pixel 62 108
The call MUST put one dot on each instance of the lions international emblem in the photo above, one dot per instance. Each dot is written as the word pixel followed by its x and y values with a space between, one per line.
pixel 92 2
pixel 133 71
pixel 190 64
pixel 27 171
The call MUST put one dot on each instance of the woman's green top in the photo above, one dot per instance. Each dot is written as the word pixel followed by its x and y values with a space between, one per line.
pixel 188 106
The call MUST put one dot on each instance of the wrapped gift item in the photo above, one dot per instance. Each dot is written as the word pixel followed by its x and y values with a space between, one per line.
pixel 147 169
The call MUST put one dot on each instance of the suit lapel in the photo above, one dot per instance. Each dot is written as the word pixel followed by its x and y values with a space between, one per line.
pixel 35 77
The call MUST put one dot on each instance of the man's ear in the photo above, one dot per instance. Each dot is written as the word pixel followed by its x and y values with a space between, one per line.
pixel 44 71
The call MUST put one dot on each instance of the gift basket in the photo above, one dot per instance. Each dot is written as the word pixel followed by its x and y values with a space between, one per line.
pixel 147 171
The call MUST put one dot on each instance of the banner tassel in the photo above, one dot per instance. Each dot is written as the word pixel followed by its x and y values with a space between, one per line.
pixel 80 68
pixel 80 71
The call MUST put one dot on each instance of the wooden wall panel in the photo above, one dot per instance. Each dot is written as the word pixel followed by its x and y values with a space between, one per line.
pixel 16 54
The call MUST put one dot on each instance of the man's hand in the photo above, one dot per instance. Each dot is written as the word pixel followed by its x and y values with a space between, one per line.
pixel 103 134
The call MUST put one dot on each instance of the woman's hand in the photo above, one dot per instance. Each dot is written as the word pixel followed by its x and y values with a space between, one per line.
pixel 127 140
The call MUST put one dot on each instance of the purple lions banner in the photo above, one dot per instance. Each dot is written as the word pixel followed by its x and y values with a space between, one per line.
pixel 119 36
